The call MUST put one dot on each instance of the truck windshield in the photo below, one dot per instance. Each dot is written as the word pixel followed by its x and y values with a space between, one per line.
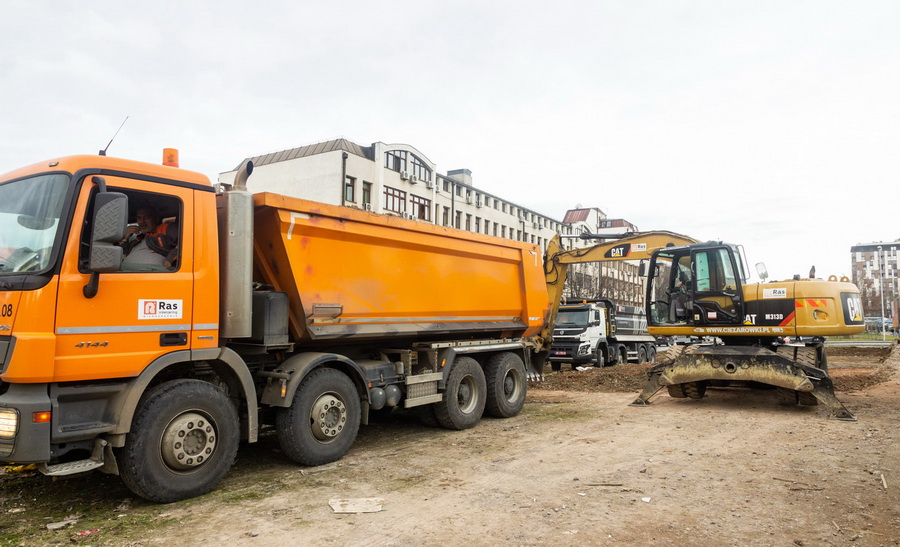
pixel 573 318
pixel 29 218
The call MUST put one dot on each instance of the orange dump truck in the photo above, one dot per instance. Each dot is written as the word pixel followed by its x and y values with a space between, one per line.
pixel 268 312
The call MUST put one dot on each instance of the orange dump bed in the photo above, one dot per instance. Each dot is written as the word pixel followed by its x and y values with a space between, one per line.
pixel 357 275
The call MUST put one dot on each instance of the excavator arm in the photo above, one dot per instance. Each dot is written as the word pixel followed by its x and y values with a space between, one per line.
pixel 635 246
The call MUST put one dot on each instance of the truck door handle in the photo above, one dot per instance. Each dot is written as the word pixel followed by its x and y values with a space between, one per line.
pixel 173 339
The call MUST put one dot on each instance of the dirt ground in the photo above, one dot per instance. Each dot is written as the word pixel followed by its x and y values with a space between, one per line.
pixel 577 467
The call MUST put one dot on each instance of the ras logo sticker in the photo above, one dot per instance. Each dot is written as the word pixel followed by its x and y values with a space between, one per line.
pixel 159 309
pixel 775 293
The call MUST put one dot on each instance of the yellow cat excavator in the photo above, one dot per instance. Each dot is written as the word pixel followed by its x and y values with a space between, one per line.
pixel 700 290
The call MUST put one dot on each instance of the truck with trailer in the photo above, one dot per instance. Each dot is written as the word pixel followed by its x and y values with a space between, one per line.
pixel 276 314
pixel 601 333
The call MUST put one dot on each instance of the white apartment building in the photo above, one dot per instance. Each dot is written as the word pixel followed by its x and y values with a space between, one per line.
pixel 398 179
pixel 874 267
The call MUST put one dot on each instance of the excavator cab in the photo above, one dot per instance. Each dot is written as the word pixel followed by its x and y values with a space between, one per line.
pixel 696 285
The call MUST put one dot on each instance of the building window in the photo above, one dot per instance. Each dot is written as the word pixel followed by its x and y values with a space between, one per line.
pixel 419 169
pixel 421 207
pixel 394 200
pixel 469 222
pixel 366 193
pixel 447 186
pixel 445 218
pixel 401 160
pixel 395 160
pixel 457 222
pixel 477 225
pixel 349 190
pixel 495 229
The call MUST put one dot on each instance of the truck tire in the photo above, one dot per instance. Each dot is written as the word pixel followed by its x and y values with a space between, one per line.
pixel 464 396
pixel 601 357
pixel 507 385
pixel 642 354
pixel 321 424
pixel 426 416
pixel 183 441
pixel 621 354
pixel 651 354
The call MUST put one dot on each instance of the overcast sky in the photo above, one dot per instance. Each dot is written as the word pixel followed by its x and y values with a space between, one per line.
pixel 775 124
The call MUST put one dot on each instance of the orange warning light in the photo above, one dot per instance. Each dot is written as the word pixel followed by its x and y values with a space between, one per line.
pixel 170 157
pixel 41 417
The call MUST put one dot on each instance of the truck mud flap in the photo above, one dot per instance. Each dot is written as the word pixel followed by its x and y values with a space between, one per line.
pixel 743 364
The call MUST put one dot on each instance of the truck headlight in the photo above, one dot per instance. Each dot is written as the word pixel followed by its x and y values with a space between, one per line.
pixel 584 349
pixel 9 423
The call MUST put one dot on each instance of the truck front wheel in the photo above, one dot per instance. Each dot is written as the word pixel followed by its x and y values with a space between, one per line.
pixel 464 396
pixel 601 357
pixel 506 385
pixel 321 424
pixel 183 441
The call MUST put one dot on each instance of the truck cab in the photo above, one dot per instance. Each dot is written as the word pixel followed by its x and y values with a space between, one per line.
pixel 601 333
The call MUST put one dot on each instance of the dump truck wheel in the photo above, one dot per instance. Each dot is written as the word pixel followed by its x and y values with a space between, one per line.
pixel 555 366
pixel 507 385
pixel 619 353
pixel 600 357
pixel 651 354
pixel 183 441
pixel 642 355
pixel 464 396
pixel 321 424
pixel 425 413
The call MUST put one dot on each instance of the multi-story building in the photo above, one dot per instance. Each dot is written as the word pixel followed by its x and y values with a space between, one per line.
pixel 398 179
pixel 874 267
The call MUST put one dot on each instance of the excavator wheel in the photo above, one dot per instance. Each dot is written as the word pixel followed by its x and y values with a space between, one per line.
pixel 689 390
pixel 789 397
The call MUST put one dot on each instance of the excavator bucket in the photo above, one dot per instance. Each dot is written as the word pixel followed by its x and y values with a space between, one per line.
pixel 788 368
pixel 535 366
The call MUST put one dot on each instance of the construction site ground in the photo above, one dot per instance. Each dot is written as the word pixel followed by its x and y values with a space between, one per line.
pixel 577 467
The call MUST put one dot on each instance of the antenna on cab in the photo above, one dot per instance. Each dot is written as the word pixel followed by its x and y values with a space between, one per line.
pixel 103 152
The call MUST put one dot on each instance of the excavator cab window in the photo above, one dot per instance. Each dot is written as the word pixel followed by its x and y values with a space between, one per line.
pixel 695 285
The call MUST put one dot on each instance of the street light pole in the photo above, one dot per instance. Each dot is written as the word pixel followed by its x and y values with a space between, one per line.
pixel 881 290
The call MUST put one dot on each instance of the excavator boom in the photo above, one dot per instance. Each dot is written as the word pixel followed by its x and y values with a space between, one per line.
pixel 634 246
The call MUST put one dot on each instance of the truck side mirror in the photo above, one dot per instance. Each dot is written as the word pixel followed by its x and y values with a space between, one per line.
pixel 762 271
pixel 108 228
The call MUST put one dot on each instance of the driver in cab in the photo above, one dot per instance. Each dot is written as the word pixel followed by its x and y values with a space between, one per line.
pixel 150 246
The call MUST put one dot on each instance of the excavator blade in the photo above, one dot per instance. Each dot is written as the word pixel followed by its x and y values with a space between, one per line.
pixel 725 365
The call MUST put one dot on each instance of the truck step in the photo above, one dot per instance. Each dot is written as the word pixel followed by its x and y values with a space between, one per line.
pixel 96 461
pixel 69 468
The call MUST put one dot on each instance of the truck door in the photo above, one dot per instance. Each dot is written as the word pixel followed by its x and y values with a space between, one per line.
pixel 136 316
